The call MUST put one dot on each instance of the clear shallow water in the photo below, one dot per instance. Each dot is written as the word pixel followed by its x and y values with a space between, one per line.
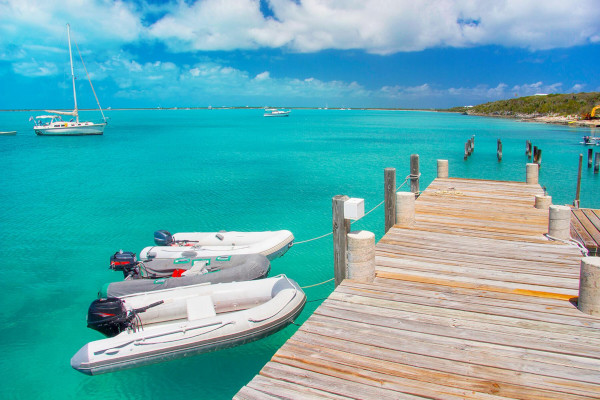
pixel 69 203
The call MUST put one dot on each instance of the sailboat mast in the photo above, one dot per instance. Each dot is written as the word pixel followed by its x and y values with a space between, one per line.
pixel 75 111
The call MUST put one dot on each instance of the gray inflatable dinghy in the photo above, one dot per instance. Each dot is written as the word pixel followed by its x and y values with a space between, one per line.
pixel 159 274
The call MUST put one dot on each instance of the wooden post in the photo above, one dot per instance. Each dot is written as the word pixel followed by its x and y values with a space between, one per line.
pixel 405 208
pixel 389 177
pixel 361 256
pixel 499 150
pixel 590 157
pixel 442 168
pixel 539 157
pixel 534 153
pixel 341 227
pixel 596 162
pixel 578 190
pixel 559 222
pixel 589 286
pixel 466 150
pixel 472 144
pixel 528 149
pixel 414 174
pixel 531 173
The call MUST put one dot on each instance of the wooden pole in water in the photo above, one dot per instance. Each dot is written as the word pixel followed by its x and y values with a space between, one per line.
pixel 528 148
pixel 466 150
pixel 499 150
pixel 472 144
pixel 590 157
pixel 341 227
pixel 414 174
pixel 577 192
pixel 389 177
pixel 596 163
pixel 534 153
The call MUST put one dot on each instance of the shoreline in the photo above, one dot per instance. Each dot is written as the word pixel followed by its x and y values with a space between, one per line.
pixel 546 119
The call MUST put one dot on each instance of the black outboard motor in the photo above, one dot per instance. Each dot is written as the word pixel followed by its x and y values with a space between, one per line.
pixel 124 261
pixel 163 238
pixel 108 316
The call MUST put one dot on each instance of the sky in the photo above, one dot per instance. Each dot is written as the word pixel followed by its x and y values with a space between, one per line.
pixel 296 53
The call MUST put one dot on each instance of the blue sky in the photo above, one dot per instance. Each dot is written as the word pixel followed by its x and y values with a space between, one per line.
pixel 336 53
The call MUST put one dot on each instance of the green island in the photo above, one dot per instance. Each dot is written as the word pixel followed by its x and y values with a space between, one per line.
pixel 566 108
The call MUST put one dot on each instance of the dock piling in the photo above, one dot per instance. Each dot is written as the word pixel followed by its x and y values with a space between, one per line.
pixel 531 173
pixel 596 163
pixel 414 174
pixel 361 256
pixel 405 208
pixel 499 150
pixel 442 168
pixel 589 286
pixel 590 157
pixel 578 190
pixel 528 149
pixel 559 222
pixel 389 177
pixel 341 227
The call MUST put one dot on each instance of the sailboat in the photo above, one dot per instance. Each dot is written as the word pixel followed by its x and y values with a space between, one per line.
pixel 53 124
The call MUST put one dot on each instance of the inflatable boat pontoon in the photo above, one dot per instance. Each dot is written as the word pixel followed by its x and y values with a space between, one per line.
pixel 152 327
pixel 159 274
pixel 271 244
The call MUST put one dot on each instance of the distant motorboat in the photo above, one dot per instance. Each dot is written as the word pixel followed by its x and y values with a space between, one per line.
pixel 53 124
pixel 8 133
pixel 591 141
pixel 146 328
pixel 274 112
pixel 271 244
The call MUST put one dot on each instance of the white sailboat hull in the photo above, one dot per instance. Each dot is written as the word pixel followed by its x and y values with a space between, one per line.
pixel 70 129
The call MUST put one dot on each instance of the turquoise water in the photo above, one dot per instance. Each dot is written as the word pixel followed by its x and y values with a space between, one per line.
pixel 69 203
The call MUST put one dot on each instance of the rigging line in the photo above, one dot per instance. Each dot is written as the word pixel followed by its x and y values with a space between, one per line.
pixel 317 284
pixel 89 80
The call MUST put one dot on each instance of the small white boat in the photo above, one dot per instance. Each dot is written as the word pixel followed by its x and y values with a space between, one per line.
pixel 147 328
pixel 271 244
pixel 274 112
pixel 8 133
pixel 591 141
pixel 53 125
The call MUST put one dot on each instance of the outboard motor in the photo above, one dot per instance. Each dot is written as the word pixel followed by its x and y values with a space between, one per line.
pixel 124 261
pixel 110 316
pixel 163 238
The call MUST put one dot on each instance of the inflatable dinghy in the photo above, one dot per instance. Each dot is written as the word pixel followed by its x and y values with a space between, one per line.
pixel 271 244
pixel 159 274
pixel 157 326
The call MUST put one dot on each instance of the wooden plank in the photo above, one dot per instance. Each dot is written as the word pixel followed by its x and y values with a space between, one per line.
pixel 588 226
pixel 289 390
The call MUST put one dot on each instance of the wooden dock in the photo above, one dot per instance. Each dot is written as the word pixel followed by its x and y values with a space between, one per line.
pixel 473 302
pixel 585 227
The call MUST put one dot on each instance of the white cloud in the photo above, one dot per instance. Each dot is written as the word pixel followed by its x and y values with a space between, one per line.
pixel 378 26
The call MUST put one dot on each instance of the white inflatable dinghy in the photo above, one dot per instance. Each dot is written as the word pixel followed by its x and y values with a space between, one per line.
pixel 157 326
pixel 271 244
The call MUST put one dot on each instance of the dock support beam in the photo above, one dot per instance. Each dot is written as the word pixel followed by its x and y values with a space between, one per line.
pixel 590 157
pixel 341 227
pixel 414 174
pixel 559 222
pixel 499 150
pixel 389 177
pixel 405 208
pixel 531 173
pixel 596 162
pixel 361 256
pixel 442 168
pixel 589 286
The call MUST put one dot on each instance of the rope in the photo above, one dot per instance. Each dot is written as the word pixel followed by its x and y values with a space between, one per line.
pixel 370 211
pixel 89 80
pixel 317 284
pixel 574 242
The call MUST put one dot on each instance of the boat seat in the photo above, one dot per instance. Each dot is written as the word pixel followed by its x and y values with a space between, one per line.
pixel 200 307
